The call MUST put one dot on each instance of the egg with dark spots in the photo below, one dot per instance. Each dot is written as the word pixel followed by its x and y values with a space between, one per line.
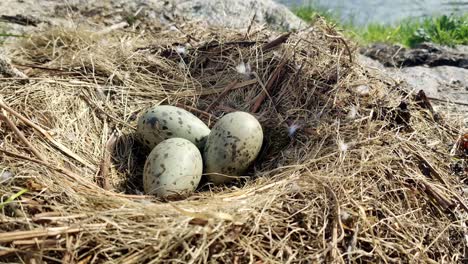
pixel 164 121
pixel 174 167
pixel 232 146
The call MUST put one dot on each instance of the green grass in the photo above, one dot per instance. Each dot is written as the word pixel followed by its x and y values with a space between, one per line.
pixel 310 13
pixel 4 35
pixel 445 30
pixel 12 198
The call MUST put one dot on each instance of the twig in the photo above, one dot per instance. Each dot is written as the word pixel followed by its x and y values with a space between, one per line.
pixel 102 180
pixel 7 251
pixel 189 108
pixel 38 67
pixel 7 237
pixel 336 221
pixel 432 169
pixel 35 242
pixel 211 45
pixel 68 254
pixel 423 101
pixel 442 201
pixel 56 217
pixel 223 94
pixel 346 45
pixel 250 25
pixel 44 133
pixel 276 42
pixel 22 137
pixel 442 100
pixel 273 79
pixel 392 58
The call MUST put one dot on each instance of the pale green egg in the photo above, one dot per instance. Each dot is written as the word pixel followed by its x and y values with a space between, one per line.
pixel 174 167
pixel 164 121
pixel 232 146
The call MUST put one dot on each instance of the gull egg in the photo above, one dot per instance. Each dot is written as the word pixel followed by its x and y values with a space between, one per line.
pixel 174 167
pixel 164 121
pixel 232 146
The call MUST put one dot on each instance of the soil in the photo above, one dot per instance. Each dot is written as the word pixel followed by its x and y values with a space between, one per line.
pixel 424 54
pixel 441 72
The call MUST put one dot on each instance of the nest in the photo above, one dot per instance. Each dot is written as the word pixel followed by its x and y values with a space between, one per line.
pixel 353 168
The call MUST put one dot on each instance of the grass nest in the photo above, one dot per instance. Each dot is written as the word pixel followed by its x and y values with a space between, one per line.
pixel 353 169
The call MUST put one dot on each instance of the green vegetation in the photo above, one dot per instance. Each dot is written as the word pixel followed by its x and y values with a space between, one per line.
pixel 310 13
pixel 9 35
pixel 446 30
pixel 4 35
pixel 12 198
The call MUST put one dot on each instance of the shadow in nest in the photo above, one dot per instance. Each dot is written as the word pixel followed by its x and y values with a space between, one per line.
pixel 275 140
pixel 128 157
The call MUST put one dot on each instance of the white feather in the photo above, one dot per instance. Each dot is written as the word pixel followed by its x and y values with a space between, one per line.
pixel 5 175
pixel 363 90
pixel 244 68
pixel 353 112
pixel 173 28
pixel 181 50
pixel 293 129
pixel 342 146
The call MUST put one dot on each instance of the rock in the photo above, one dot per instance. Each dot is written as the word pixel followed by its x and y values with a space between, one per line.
pixel 368 62
pixel 7 70
pixel 225 13
pixel 238 13
pixel 461 49
pixel 424 54
pixel 441 83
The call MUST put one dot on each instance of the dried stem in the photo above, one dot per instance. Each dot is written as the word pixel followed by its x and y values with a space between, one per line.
pixel 102 178
pixel 21 136
pixel 220 97
pixel 271 82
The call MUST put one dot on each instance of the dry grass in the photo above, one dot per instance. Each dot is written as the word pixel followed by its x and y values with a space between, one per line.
pixel 365 178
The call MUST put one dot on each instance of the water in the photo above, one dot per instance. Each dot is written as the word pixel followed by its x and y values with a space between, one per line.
pixel 362 12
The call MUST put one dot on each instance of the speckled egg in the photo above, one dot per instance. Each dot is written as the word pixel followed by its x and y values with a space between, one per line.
pixel 164 121
pixel 233 144
pixel 174 167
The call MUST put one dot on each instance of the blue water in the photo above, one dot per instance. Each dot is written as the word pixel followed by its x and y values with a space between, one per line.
pixel 362 12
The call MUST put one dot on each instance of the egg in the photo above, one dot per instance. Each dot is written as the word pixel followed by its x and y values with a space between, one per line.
pixel 233 144
pixel 164 121
pixel 174 167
